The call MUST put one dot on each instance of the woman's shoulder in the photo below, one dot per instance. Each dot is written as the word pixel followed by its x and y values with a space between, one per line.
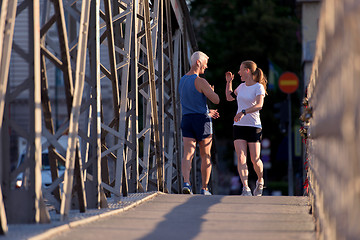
pixel 260 90
pixel 241 85
pixel 259 85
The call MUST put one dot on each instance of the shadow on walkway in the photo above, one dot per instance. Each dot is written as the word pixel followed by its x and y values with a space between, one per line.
pixel 185 220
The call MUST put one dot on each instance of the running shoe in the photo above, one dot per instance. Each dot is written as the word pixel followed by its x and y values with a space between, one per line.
pixel 259 189
pixel 186 189
pixel 246 191
pixel 205 192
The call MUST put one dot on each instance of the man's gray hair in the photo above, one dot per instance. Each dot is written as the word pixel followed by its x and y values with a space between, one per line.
pixel 198 55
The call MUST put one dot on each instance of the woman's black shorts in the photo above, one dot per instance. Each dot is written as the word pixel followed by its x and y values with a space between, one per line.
pixel 249 134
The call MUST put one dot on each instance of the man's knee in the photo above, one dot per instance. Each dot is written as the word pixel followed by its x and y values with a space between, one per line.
pixel 205 156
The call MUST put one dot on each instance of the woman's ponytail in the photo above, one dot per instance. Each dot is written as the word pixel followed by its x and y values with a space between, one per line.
pixel 260 78
pixel 256 72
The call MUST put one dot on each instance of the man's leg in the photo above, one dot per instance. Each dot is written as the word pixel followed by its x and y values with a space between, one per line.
pixel 189 150
pixel 205 154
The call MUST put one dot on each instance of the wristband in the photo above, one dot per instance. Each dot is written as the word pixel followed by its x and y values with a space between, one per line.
pixel 243 111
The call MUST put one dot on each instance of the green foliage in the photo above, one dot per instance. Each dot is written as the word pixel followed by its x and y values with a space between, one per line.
pixel 231 31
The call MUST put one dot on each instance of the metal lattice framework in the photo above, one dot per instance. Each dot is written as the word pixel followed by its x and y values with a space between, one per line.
pixel 117 61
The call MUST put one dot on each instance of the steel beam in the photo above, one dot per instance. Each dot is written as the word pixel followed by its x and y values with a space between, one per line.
pixel 34 210
pixel 73 142
pixel 174 153
pixel 7 22
pixel 3 221
pixel 136 58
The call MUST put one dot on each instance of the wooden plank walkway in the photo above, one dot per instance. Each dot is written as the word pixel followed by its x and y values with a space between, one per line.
pixel 170 216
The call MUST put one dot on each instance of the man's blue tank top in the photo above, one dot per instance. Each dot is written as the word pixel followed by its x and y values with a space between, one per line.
pixel 191 100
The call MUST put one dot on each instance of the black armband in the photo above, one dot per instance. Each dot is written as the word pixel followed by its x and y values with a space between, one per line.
pixel 233 95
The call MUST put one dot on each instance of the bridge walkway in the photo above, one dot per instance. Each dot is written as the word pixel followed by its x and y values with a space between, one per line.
pixel 170 216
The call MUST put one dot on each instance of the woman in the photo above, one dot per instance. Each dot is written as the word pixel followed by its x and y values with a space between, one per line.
pixel 247 129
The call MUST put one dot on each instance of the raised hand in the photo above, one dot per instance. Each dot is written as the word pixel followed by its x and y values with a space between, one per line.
pixel 229 76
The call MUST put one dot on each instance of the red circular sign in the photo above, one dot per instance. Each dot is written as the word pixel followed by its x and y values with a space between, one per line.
pixel 288 82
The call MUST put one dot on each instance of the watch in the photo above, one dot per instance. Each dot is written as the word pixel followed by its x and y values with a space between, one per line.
pixel 243 111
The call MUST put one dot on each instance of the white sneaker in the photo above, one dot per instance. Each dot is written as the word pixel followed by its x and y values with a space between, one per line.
pixel 205 192
pixel 246 191
pixel 259 189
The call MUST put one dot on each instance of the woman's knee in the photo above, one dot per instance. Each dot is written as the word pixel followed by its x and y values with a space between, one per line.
pixel 242 163
pixel 256 160
pixel 241 158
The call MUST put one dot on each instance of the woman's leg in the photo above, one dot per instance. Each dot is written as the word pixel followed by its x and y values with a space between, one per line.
pixel 241 152
pixel 254 149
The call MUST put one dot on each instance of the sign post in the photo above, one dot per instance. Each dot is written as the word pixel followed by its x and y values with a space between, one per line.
pixel 289 83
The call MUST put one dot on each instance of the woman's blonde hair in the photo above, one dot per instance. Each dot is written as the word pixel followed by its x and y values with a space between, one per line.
pixel 257 73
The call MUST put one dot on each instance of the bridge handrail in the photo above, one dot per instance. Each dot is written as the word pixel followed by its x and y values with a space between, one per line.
pixel 333 132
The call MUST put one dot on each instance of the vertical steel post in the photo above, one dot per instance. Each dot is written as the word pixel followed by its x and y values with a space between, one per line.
pixel 37 108
pixel 7 22
pixel 154 110
pixel 161 91
pixel 174 104
pixel 3 221
pixel 73 142
pixel 93 178
pixel 121 173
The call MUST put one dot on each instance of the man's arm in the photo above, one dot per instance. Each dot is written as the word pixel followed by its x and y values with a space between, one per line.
pixel 204 87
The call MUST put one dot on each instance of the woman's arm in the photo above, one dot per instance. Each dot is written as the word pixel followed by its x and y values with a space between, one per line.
pixel 258 106
pixel 228 90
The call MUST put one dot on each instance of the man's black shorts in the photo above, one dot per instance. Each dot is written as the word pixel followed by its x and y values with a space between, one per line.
pixel 197 126
pixel 249 134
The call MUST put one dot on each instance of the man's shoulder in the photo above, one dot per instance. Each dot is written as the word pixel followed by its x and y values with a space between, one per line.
pixel 201 80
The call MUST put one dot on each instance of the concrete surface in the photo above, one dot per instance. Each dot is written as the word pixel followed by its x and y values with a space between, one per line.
pixel 175 217
pixel 116 205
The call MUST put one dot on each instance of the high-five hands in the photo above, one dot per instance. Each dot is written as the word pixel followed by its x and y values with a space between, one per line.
pixel 229 76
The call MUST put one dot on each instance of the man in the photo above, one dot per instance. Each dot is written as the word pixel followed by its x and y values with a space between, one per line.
pixel 196 122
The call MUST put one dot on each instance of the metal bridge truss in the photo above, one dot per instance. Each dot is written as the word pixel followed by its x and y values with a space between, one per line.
pixel 119 55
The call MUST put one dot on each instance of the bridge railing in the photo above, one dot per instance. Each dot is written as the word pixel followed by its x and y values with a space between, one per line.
pixel 103 75
pixel 333 151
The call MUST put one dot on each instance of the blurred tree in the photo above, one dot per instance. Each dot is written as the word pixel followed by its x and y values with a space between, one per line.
pixel 231 31
pixel 265 31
